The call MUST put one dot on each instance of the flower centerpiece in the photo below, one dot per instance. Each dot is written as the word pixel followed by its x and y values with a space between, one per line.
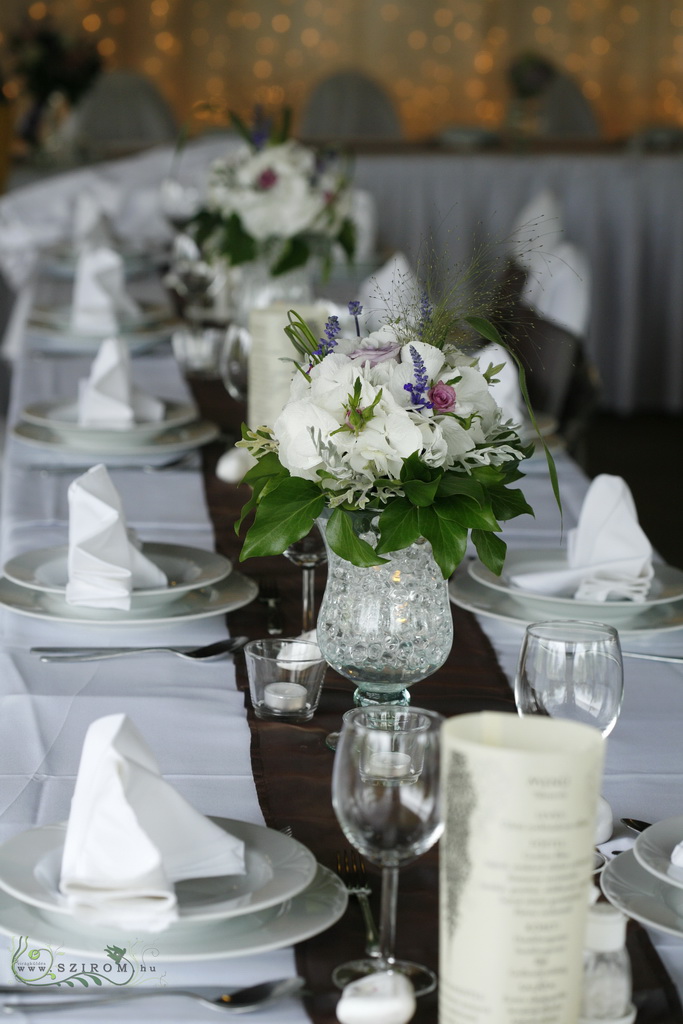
pixel 274 200
pixel 401 423
pixel 395 445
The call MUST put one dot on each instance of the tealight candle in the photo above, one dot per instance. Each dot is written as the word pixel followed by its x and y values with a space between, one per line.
pixel 389 764
pixel 285 696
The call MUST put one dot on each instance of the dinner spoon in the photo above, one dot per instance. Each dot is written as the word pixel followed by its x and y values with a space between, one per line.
pixel 235 643
pixel 241 1001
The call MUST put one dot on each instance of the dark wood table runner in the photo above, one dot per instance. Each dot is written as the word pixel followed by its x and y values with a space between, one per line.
pixel 293 766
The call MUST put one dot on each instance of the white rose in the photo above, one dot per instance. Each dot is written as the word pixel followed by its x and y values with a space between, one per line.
pixel 283 210
pixel 298 451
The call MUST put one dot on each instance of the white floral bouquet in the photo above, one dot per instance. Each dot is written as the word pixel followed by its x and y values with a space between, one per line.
pixel 275 200
pixel 401 423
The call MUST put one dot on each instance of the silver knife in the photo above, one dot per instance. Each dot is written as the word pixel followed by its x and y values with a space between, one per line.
pixel 673 659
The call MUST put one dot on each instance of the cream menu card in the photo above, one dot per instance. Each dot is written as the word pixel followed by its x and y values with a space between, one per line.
pixel 516 861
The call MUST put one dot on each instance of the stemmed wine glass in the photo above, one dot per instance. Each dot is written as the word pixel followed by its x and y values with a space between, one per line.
pixel 385 793
pixel 571 670
pixel 308 553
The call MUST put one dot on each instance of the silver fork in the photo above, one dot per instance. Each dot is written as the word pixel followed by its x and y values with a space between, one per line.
pixel 351 870
pixel 240 1001
pixel 235 643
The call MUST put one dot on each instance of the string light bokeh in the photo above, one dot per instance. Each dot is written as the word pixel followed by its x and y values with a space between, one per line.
pixel 443 62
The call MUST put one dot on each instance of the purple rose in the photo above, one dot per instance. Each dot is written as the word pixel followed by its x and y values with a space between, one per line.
pixel 442 397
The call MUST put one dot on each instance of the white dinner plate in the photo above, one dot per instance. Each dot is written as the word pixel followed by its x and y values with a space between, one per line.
pixel 667 584
pixel 186 568
pixel 54 340
pixel 641 895
pixel 277 868
pixel 472 595
pixel 313 911
pixel 156 450
pixel 60 260
pixel 232 592
pixel 654 847
pixel 61 418
pixel 58 318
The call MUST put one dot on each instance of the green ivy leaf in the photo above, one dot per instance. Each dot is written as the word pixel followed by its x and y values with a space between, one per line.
pixel 347 238
pixel 467 512
pixel 447 537
pixel 295 254
pixel 421 492
pixel 491 550
pixel 284 514
pixel 237 245
pixel 399 526
pixel 344 541
pixel 456 483
pixel 507 504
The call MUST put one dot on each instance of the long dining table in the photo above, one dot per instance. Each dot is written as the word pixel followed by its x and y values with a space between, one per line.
pixel 198 722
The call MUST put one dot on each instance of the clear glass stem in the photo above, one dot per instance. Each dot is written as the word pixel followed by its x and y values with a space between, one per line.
pixel 308 597
pixel 387 919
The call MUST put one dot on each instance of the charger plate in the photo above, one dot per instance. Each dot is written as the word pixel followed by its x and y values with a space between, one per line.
pixel 186 568
pixel 312 911
pixel 232 592
pixel 641 895
pixel 277 868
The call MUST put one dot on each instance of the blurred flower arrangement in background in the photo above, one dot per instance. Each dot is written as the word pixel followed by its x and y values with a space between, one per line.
pixel 275 200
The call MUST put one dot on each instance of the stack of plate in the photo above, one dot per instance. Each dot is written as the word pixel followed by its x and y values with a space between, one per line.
pixel 200 584
pixel 476 588
pixel 643 882
pixel 284 897
pixel 54 427
pixel 51 328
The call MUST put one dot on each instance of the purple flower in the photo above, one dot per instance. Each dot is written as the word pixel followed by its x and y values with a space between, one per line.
pixel 419 395
pixel 426 310
pixel 442 397
pixel 266 179
pixel 355 309
pixel 329 342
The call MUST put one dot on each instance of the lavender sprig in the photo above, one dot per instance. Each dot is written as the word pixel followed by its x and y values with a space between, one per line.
pixel 426 310
pixel 355 309
pixel 418 390
pixel 329 342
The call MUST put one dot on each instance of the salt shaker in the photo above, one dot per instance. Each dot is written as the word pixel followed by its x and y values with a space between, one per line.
pixel 606 994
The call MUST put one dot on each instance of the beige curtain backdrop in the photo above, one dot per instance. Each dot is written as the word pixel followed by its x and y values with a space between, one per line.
pixel 442 62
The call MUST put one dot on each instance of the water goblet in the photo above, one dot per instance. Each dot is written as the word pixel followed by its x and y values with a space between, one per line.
pixel 308 553
pixel 385 793
pixel 573 670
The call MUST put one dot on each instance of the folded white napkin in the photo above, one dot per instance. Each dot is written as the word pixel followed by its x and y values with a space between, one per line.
pixel 506 391
pixel 537 229
pixel 108 397
pixel 608 554
pixel 131 835
pixel 100 301
pixel 104 565
pixel 90 222
pixel 559 286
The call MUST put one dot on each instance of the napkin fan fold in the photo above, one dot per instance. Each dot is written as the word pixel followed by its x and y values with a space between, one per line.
pixel 131 835
pixel 108 396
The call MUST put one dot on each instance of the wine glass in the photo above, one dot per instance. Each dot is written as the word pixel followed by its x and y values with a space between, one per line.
pixel 571 670
pixel 385 793
pixel 308 553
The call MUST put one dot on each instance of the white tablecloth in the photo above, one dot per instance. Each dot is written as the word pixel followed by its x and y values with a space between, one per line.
pixel 191 714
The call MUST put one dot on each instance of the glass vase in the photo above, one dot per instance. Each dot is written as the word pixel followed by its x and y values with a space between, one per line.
pixel 386 626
